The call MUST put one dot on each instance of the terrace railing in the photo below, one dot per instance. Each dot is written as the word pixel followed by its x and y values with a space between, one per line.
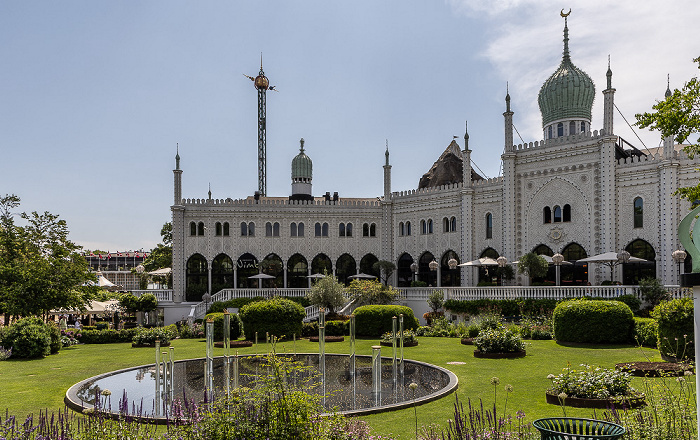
pixel 161 295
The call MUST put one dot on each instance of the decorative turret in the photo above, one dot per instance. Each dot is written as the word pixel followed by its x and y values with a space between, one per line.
pixel 608 103
pixel 302 173
pixel 669 141
pixel 508 121
pixel 177 178
pixel 566 98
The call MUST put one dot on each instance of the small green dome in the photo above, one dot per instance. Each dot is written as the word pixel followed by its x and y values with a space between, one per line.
pixel 302 165
pixel 568 93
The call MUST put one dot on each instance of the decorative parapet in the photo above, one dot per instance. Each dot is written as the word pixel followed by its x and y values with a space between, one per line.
pixel 425 191
pixel 280 202
pixel 580 137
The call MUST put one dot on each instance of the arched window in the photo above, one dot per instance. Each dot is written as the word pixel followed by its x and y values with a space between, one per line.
pixel 404 274
pixel 633 272
pixel 576 273
pixel 408 228
pixel 401 229
pixel 549 132
pixel 226 229
pixel 196 278
pixel 572 127
pixel 489 225
pixel 557 214
pixel 297 270
pixel 567 213
pixel 217 229
pixel 221 273
pixel 638 212
pixel 324 230
pixel 453 224
pixel 547 214
pixel 193 228
pixel 583 126
pixel 276 229
pixel 365 230
pixel 348 230
pixel 445 224
pixel 268 229
pixel 244 229
pixel 373 230
pixel 423 227
pixel 200 228
pixel 345 266
pixel 293 229
pixel 560 129
pixel 317 229
pixel 430 226
pixel 301 229
pixel 251 229
pixel 341 230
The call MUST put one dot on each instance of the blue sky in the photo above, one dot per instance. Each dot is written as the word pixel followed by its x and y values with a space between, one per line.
pixel 94 96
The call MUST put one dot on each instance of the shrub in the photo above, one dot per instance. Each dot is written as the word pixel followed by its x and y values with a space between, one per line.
pixel 499 340
pixel 508 307
pixel 675 321
pixel 148 336
pixel 431 316
pixel 374 320
pixel 195 331
pixel 653 291
pixel 581 320
pixel 237 303
pixel 645 331
pixel 28 338
pixel 409 337
pixel 129 302
pixel 5 353
pixel 589 382
pixel 106 336
pixel 234 326
pixel 147 302
pixel 632 302
pixel 277 316
pixel 436 300
pixel 327 292
pixel 55 335
pixel 371 292
pixel 442 328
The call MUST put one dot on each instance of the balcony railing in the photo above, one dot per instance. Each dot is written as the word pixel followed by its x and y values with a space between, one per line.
pixel 161 295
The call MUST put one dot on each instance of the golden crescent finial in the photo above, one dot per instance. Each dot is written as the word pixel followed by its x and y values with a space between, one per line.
pixel 565 15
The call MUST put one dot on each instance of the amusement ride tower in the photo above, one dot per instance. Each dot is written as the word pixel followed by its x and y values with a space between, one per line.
pixel 262 84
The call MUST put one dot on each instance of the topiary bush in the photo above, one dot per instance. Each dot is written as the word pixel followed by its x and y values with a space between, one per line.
pixel 499 340
pixel 277 316
pixel 28 338
pixel 675 321
pixel 374 320
pixel 632 302
pixel 582 320
pixel 235 326
pixel 645 331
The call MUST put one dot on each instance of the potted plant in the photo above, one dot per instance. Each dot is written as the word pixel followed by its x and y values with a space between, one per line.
pixel 593 387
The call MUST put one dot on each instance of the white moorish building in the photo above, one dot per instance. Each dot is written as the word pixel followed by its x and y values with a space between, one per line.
pixel 579 192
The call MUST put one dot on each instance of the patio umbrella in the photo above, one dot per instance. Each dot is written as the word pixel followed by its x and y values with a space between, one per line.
pixel 363 276
pixel 484 261
pixel 610 259
pixel 262 276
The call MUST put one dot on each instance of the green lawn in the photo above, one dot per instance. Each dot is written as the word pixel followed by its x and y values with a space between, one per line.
pixel 29 386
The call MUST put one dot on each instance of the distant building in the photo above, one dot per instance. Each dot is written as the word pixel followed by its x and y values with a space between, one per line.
pixel 579 192
pixel 116 267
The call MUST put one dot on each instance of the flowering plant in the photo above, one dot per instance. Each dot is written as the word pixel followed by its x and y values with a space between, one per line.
pixel 499 341
pixel 409 336
pixel 5 353
pixel 590 382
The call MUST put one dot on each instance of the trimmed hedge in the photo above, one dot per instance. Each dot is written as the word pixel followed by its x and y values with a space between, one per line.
pixel 646 331
pixel 582 320
pixel 376 320
pixel 238 303
pixel 277 316
pixel 107 336
pixel 235 326
pixel 675 320
pixel 508 307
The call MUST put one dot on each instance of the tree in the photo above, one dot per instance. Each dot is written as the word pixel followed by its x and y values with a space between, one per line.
pixel 40 268
pixel 385 268
pixel 679 116
pixel 161 256
pixel 367 292
pixel 535 266
pixel 329 293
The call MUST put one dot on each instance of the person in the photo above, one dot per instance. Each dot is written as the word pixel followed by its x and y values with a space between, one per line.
pixel 77 324
pixel 62 324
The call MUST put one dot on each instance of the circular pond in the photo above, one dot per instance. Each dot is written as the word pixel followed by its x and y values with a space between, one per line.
pixel 136 390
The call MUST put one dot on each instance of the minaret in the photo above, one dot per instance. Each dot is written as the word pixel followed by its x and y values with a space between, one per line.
pixel 510 206
pixel 386 229
pixel 387 174
pixel 609 103
pixel 262 84
pixel 508 119
pixel 669 148
pixel 467 212
pixel 177 174
pixel 669 208
pixel 178 243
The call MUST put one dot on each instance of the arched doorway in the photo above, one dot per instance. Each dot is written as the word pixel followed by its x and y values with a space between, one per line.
pixel 321 264
pixel 633 272
pixel 272 265
pixel 426 275
pixel 486 273
pixel 196 278
pixel 403 270
pixel 221 273
pixel 297 270
pixel 575 274
pixel 551 277
pixel 367 265
pixel 247 266
pixel 449 277
pixel 345 267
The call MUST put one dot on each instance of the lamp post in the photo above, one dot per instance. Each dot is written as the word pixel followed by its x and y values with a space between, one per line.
pixel 558 259
pixel 433 265
pixel 452 264
pixel 414 269
pixel 206 298
pixel 502 261
pixel 622 257
pixel 679 257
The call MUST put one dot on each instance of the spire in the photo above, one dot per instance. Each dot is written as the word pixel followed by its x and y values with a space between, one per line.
pixel 609 74
pixel 507 98
pixel 466 136
pixel 386 153
pixel 177 156
pixel 301 145
pixel 261 69
pixel 668 85
pixel 209 190
pixel 567 59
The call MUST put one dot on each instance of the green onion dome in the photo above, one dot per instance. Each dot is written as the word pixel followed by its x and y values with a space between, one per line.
pixel 302 165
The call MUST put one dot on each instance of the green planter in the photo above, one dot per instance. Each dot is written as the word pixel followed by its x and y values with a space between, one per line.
pixel 569 428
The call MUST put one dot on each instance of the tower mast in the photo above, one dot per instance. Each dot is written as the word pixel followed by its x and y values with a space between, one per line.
pixel 262 84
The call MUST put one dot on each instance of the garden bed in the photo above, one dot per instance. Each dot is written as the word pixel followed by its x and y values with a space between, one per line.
pixel 581 402
pixel 234 344
pixel 162 344
pixel 405 344
pixel 328 338
pixel 467 341
pixel 505 355
pixel 655 369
